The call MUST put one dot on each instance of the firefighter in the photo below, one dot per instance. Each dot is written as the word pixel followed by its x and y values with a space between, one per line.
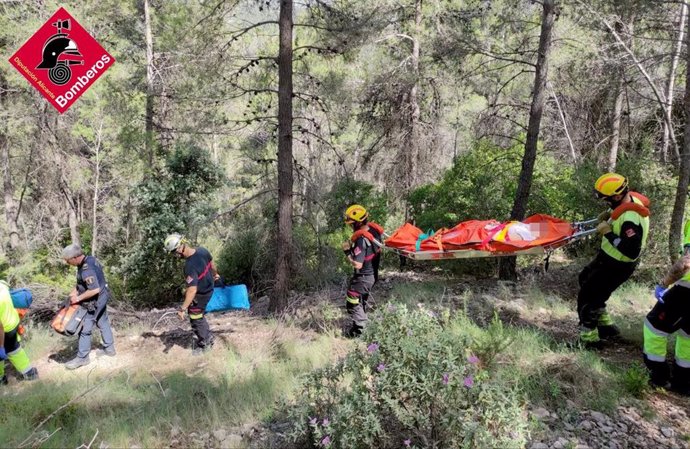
pixel 671 314
pixel 624 228
pixel 92 293
pixel 200 274
pixel 10 347
pixel 361 251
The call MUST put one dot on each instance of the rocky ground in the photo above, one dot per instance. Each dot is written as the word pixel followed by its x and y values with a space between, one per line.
pixel 627 428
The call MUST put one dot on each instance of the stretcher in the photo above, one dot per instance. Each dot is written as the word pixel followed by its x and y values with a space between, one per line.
pixel 537 234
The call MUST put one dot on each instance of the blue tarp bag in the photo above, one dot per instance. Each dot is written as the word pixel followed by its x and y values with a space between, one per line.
pixel 21 298
pixel 228 297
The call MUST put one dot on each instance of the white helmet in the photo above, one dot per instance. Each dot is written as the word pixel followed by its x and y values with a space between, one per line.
pixel 173 241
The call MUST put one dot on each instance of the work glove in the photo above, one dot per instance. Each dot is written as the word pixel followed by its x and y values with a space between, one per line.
pixel 604 228
pixel 346 247
pixel 659 293
pixel 604 215
pixel 3 354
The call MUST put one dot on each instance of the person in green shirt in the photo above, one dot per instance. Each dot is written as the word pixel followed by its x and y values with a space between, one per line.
pixel 10 347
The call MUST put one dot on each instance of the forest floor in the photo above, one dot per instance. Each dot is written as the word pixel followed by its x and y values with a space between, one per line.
pixel 155 394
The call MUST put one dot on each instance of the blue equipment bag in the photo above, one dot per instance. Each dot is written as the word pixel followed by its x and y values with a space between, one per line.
pixel 228 297
pixel 21 298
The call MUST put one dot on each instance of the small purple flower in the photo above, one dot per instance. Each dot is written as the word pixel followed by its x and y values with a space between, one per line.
pixel 381 367
pixel 469 382
pixel 432 314
pixel 326 441
pixel 326 422
pixel 409 333
pixel 313 421
pixel 446 377
pixel 473 359
pixel 372 347
pixel 407 442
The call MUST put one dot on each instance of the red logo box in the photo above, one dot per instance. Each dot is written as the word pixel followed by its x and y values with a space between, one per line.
pixel 61 60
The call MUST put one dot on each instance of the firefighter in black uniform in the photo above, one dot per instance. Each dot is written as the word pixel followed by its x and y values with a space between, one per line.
pixel 92 293
pixel 200 274
pixel 624 229
pixel 361 251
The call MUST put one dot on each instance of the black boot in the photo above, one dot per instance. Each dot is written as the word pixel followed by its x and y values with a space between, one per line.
pixel 680 383
pixel 609 332
pixel 659 373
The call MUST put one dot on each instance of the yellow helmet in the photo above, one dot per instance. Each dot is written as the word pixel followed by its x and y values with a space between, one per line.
pixel 355 213
pixel 610 184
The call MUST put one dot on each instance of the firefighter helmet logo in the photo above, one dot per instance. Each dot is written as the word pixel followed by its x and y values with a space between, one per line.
pixel 62 60
pixel 59 53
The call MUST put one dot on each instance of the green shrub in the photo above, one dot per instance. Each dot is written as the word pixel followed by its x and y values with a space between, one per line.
pixel 176 199
pixel 246 258
pixel 482 184
pixel 415 383
pixel 635 380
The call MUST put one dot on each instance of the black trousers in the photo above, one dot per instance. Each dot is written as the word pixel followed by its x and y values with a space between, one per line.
pixel 598 281
pixel 97 317
pixel 673 315
pixel 357 296
pixel 197 318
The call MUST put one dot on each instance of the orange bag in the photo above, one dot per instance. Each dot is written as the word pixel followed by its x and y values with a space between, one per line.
pixel 68 320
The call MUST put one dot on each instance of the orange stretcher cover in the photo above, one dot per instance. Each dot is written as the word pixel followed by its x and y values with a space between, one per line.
pixel 484 235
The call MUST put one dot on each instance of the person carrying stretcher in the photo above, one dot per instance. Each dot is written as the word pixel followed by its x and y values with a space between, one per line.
pixel 624 228
pixel 362 251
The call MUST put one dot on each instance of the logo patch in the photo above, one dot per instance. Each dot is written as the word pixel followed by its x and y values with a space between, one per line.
pixel 358 251
pixel 189 279
pixel 61 60
pixel 630 232
pixel 89 280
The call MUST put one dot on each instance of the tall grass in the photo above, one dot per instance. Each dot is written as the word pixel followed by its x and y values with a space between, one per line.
pixel 140 405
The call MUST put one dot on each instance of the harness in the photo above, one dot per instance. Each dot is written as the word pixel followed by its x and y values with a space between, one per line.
pixel 635 211
pixel 640 208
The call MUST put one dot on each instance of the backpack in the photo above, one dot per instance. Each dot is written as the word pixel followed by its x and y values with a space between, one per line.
pixel 68 320
pixel 21 300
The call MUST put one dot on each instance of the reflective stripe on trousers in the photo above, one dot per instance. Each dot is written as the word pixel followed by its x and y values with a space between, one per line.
pixel 683 349
pixel 655 342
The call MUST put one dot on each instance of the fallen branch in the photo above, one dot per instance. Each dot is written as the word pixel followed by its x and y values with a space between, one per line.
pixel 39 441
pixel 71 401
pixel 83 446
pixel 153 328
pixel 136 315
pixel 158 382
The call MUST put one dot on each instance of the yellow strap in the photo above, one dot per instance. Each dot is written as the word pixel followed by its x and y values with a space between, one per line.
pixel 352 300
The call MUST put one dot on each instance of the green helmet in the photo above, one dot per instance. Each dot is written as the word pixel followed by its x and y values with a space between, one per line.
pixel 173 241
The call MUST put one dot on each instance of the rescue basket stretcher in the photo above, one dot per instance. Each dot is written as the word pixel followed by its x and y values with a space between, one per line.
pixel 536 235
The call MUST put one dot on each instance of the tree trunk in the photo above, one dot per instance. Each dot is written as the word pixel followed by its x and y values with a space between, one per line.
pixel 96 192
pixel 72 219
pixel 11 206
pixel 413 131
pixel 672 80
pixel 507 265
pixel 616 122
pixel 285 172
pixel 149 142
pixel 675 231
